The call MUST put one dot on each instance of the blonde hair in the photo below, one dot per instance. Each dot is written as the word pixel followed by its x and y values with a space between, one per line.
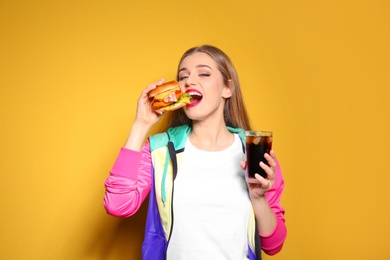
pixel 235 114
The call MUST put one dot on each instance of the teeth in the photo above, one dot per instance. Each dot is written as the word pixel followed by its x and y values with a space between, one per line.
pixel 195 94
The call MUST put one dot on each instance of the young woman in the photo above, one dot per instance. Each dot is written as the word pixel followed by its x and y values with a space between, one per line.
pixel 200 205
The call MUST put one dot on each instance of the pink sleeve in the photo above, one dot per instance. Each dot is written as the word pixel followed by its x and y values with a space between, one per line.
pixel 273 243
pixel 129 182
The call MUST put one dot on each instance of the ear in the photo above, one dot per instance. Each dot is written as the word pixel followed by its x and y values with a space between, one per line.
pixel 227 91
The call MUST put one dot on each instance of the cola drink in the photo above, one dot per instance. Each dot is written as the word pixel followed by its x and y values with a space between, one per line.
pixel 257 144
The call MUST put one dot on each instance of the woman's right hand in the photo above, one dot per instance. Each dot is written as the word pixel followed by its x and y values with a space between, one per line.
pixel 145 118
pixel 145 115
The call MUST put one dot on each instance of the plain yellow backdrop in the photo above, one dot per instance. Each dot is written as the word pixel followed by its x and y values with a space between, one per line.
pixel 314 72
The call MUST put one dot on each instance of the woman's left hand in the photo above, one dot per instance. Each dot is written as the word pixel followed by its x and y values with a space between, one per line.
pixel 259 186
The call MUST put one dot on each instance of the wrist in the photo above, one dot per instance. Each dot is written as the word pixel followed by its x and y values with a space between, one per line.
pixel 137 136
pixel 259 198
pixel 140 126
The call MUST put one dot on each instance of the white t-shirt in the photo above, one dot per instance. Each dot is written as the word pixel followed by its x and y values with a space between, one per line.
pixel 210 206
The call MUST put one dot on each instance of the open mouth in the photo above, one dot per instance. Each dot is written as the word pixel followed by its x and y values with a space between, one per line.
pixel 196 97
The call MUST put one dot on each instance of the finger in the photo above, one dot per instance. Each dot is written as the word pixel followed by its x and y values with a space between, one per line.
pixel 154 85
pixel 268 170
pixel 265 184
pixel 271 161
pixel 161 81
pixel 261 180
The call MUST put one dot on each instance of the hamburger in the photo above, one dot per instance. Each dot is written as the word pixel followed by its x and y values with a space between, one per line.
pixel 168 97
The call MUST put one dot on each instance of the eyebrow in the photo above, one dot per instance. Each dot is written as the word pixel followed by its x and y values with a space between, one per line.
pixel 197 66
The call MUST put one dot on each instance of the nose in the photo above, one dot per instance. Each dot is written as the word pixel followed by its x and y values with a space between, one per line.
pixel 190 81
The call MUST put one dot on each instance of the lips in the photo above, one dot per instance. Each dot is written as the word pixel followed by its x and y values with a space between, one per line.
pixel 196 97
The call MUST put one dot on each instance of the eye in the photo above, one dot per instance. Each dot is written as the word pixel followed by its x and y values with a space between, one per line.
pixel 204 75
pixel 182 77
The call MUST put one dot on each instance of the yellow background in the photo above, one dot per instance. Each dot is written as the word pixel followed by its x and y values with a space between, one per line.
pixel 317 73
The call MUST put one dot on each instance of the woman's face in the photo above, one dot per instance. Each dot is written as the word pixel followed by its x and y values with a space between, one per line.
pixel 200 77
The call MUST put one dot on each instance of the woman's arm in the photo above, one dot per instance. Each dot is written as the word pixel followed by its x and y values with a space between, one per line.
pixel 144 120
pixel 130 178
pixel 265 197
pixel 129 182
pixel 272 242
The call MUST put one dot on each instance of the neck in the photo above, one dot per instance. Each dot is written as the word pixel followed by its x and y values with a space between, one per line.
pixel 210 137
